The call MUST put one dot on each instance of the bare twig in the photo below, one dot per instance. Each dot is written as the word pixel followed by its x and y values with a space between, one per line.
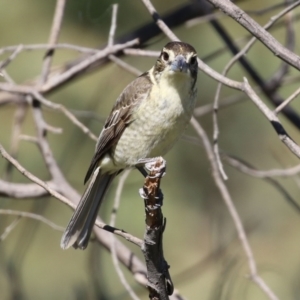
pixel 81 66
pixel 125 65
pixel 254 276
pixel 141 52
pixel 6 76
pixel 262 173
pixel 265 10
pixel 117 200
pixel 62 198
pixel 113 25
pixel 256 30
pixel 46 151
pixel 158 20
pixel 113 247
pixel 17 125
pixel 224 73
pixel 7 61
pixel 33 178
pixel 24 214
pixel 202 66
pixel 28 138
pixel 9 228
pixel 204 19
pixel 246 168
pixel 287 101
pixel 66 112
pixel 24 190
pixel 276 80
pixel 225 103
pixel 271 116
pixel 48 47
pixel 110 43
pixel 55 30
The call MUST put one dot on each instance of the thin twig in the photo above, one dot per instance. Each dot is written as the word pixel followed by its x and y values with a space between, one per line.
pixel 267 9
pixel 113 25
pixel 65 200
pixel 45 148
pixel 121 180
pixel 24 214
pixel 141 52
pixel 113 247
pixel 28 138
pixel 66 112
pixel 48 47
pixel 81 66
pixel 9 228
pixel 125 65
pixel 158 20
pixel 53 38
pixel 19 118
pixel 225 103
pixel 33 178
pixel 204 19
pixel 224 73
pixel 287 101
pixel 262 173
pixel 7 77
pixel 271 116
pixel 7 61
pixel 254 276
pixel 202 66
pixel 276 80
pixel 256 30
pixel 118 194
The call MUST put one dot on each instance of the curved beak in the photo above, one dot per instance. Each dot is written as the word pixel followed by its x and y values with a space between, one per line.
pixel 179 64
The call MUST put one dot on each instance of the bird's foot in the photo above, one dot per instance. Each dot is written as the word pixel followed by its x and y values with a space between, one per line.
pixel 156 165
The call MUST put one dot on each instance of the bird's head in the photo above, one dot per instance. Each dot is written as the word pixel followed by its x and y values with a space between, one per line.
pixel 177 58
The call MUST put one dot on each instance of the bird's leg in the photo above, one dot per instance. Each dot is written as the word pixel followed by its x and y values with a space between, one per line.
pixel 144 165
pixel 147 166
pixel 142 170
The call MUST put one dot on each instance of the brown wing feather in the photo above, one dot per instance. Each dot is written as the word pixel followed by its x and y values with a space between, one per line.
pixel 119 118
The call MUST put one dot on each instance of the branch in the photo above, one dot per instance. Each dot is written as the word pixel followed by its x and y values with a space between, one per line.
pixel 24 214
pixel 225 71
pixel 246 168
pixel 33 178
pixel 267 89
pixel 256 30
pixel 56 27
pixel 113 246
pixel 24 190
pixel 254 276
pixel 58 80
pixel 159 280
pixel 271 116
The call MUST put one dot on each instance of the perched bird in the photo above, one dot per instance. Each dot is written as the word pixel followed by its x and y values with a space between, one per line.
pixel 147 119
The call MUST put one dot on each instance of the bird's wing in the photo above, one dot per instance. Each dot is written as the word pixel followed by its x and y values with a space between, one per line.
pixel 119 118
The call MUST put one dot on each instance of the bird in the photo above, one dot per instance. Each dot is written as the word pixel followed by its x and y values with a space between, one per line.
pixel 148 117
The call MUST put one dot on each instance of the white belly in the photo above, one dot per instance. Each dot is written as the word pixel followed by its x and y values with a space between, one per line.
pixel 157 124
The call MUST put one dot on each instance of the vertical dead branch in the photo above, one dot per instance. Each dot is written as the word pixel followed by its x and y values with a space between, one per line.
pixel 159 281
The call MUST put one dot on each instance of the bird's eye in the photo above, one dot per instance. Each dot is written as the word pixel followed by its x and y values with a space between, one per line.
pixel 193 60
pixel 165 56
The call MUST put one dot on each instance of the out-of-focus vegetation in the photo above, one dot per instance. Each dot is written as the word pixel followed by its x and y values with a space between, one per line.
pixel 33 266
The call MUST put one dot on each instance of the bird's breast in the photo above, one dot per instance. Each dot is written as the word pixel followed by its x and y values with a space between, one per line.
pixel 157 124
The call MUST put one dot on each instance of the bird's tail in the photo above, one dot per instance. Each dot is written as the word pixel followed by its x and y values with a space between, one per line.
pixel 80 227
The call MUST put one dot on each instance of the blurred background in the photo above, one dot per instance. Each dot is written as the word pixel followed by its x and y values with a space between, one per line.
pixel 200 242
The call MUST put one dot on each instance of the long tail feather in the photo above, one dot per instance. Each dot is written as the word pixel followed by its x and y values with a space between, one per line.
pixel 80 227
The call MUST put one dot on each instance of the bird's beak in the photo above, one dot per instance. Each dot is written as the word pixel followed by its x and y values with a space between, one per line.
pixel 179 64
